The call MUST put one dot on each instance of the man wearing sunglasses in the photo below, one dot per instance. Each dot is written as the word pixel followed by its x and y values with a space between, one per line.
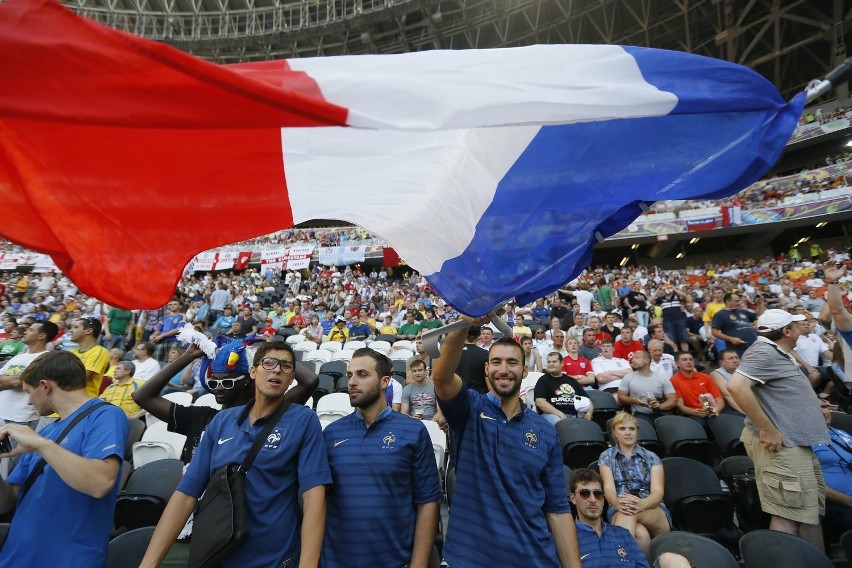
pixel 231 387
pixel 291 462
pixel 603 545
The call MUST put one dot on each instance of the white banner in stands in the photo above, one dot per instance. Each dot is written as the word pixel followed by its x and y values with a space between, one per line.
pixel 299 257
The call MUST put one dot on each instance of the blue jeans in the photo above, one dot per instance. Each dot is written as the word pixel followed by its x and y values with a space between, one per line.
pixel 116 341
pixel 676 330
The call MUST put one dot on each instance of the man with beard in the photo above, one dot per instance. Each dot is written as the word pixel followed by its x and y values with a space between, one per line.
pixel 514 492
pixel 396 510
pixel 228 381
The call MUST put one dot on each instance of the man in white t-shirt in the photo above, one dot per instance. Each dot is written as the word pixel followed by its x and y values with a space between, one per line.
pixel 609 370
pixel 146 365
pixel 15 407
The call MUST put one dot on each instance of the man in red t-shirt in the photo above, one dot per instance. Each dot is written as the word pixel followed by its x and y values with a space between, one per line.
pixel 625 347
pixel 576 367
pixel 698 397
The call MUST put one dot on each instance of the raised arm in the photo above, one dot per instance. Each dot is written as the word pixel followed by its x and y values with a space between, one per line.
pixel 842 318
pixel 306 383
pixel 148 395
pixel 447 383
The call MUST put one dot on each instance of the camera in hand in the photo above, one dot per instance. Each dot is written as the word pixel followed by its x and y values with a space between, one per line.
pixel 5 445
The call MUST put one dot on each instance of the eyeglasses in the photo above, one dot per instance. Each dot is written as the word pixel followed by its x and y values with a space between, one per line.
pixel 586 493
pixel 269 363
pixel 227 384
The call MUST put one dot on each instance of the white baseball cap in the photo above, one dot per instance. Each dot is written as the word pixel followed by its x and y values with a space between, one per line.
pixel 770 320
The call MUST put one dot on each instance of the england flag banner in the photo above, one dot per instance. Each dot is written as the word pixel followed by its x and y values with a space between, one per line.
pixel 492 172
pixel 273 260
pixel 299 257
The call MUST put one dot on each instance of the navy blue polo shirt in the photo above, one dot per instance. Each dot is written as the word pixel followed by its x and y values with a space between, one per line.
pixel 615 548
pixel 290 462
pixel 380 474
pixel 508 475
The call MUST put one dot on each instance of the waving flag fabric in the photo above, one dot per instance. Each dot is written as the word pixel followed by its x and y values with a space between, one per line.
pixel 489 171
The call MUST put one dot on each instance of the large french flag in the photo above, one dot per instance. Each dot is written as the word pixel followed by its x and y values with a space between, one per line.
pixel 491 172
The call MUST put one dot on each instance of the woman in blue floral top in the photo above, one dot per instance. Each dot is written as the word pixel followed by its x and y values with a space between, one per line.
pixel 633 484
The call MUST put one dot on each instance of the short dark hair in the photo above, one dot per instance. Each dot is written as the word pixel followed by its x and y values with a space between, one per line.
pixel 383 364
pixel 680 354
pixel 728 350
pixel 148 347
pixel 473 332
pixel 607 341
pixel 417 363
pixel 94 324
pixel 510 342
pixel 62 367
pixel 49 329
pixel 557 353
pixel 728 296
pixel 583 475
pixel 266 347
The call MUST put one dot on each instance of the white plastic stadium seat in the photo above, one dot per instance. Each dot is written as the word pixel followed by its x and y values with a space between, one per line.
pixel 332 407
pixel 439 443
pixel 306 346
pixel 343 355
pixel 528 386
pixel 383 346
pixel 332 346
pixel 160 433
pixel 147 452
pixel 401 344
pixel 401 355
pixel 294 339
pixel 208 399
pixel 316 358
pixel 353 345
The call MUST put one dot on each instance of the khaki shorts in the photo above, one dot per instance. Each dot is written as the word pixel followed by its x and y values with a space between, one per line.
pixel 789 482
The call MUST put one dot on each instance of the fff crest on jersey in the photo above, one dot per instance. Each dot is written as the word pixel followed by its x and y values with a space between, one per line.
pixel 388 442
pixel 274 439
pixel 531 436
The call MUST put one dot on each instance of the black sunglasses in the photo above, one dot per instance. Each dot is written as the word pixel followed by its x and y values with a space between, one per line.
pixel 586 493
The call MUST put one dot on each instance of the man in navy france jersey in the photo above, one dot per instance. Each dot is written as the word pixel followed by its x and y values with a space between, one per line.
pixel 291 462
pixel 226 376
pixel 510 482
pixel 385 478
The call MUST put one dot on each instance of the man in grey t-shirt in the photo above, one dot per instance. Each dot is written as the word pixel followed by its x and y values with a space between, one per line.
pixel 418 397
pixel 644 390
pixel 783 422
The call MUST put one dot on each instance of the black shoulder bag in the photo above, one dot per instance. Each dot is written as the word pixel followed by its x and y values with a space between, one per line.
pixel 34 474
pixel 221 519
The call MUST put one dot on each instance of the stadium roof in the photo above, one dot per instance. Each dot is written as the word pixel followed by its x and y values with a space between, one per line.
pixel 789 42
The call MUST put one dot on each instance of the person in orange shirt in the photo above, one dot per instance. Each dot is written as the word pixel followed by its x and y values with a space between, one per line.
pixel 698 397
